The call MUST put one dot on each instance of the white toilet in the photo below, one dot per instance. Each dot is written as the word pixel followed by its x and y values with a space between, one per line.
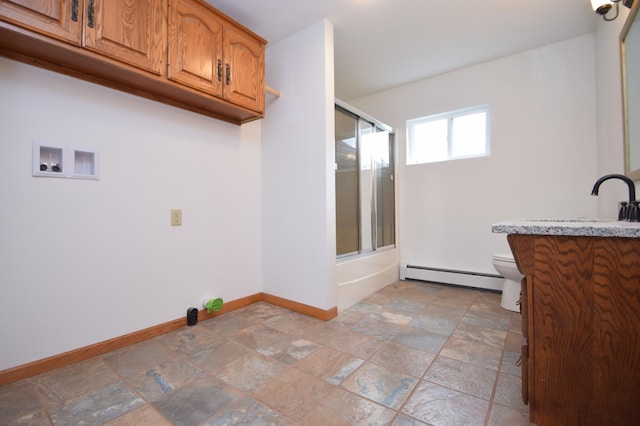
pixel 505 264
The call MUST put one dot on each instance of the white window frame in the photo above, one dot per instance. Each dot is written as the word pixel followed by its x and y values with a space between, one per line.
pixel 449 116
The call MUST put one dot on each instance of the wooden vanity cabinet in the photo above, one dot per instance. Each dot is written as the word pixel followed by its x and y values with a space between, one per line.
pixel 581 328
pixel 524 351
pixel 183 53
pixel 209 54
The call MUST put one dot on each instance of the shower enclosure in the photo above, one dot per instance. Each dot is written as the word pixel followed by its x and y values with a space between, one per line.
pixel 365 205
pixel 365 193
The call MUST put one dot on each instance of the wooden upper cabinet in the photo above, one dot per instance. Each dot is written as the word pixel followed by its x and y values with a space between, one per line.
pixel 61 19
pixel 184 53
pixel 132 31
pixel 244 69
pixel 208 53
pixel 195 47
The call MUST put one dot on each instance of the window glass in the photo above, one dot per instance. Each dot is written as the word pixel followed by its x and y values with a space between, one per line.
pixel 430 141
pixel 469 135
pixel 448 136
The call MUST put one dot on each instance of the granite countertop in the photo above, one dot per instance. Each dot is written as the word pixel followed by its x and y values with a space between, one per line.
pixel 576 227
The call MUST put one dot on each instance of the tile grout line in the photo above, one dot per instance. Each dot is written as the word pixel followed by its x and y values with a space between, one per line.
pixel 43 408
pixel 439 353
pixel 495 385
pixel 345 327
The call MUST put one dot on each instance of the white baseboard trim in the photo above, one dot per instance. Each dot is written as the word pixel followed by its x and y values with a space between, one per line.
pixel 450 276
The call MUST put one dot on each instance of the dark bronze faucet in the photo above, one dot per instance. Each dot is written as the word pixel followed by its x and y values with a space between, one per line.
pixel 628 211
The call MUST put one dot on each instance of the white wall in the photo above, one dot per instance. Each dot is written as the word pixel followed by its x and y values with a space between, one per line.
pixel 85 261
pixel 609 112
pixel 543 153
pixel 298 178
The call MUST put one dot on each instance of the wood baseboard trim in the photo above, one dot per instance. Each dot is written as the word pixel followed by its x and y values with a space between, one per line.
pixel 324 315
pixel 229 307
pixel 71 357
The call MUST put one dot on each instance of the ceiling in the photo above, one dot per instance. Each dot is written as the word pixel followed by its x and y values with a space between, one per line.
pixel 381 44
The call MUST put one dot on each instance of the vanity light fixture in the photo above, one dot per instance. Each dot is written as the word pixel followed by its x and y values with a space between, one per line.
pixel 602 7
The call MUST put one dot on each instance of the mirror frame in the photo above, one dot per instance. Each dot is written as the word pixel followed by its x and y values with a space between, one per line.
pixel 633 174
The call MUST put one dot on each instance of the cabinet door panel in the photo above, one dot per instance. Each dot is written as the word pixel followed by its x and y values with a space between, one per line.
pixel 59 18
pixel 128 30
pixel 244 69
pixel 563 323
pixel 195 47
pixel 616 338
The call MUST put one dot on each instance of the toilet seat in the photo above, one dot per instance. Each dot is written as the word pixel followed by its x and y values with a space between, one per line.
pixel 504 257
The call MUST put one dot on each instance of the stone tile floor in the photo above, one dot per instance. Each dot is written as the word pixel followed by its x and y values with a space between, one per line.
pixel 413 353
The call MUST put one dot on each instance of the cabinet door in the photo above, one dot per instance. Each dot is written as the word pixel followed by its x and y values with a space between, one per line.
pixel 244 69
pixel 59 18
pixel 132 31
pixel 195 47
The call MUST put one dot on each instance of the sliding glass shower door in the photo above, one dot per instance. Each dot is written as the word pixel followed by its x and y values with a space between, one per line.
pixel 365 195
pixel 347 205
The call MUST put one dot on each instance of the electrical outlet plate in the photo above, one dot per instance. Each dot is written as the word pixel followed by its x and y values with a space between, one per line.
pixel 176 217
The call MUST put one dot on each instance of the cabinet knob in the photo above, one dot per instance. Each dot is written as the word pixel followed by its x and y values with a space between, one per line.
pixel 219 69
pixel 228 69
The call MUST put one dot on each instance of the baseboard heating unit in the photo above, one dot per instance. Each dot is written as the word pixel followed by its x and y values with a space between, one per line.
pixel 452 276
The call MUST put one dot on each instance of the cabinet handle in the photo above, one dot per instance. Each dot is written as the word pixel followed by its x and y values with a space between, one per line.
pixel 219 69
pixel 74 10
pixel 91 12
pixel 228 68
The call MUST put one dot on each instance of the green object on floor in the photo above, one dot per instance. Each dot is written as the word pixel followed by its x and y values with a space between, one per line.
pixel 213 305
